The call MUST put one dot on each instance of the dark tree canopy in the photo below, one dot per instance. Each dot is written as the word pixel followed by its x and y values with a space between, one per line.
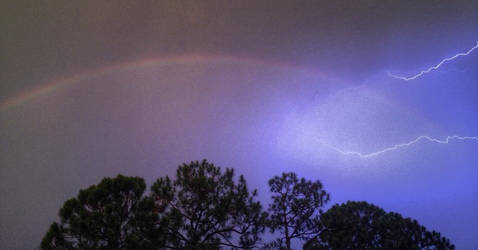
pixel 295 208
pixel 207 209
pixel 359 225
pixel 111 215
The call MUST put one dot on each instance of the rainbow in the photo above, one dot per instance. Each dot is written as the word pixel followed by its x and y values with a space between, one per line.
pixel 53 86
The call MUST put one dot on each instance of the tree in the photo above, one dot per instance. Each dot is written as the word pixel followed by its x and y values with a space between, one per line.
pixel 111 215
pixel 206 209
pixel 295 207
pixel 359 225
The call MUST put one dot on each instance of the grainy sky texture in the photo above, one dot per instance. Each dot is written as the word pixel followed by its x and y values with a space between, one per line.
pixel 90 89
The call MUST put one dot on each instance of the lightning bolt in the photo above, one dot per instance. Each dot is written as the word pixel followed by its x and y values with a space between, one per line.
pixel 399 146
pixel 434 67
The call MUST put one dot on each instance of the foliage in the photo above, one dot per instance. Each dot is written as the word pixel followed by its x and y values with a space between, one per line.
pixel 295 208
pixel 206 209
pixel 111 215
pixel 359 225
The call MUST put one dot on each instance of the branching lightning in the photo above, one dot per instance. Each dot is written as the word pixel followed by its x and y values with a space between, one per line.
pixel 434 67
pixel 399 146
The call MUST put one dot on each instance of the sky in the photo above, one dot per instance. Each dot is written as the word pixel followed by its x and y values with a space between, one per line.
pixel 90 89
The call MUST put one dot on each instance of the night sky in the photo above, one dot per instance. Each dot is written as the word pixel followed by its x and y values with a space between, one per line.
pixel 90 89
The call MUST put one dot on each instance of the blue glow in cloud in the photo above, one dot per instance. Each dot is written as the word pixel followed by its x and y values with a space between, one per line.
pixel 402 145
pixel 433 67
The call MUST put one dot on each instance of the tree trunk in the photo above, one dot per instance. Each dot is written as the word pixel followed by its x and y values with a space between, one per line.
pixel 287 238
pixel 287 242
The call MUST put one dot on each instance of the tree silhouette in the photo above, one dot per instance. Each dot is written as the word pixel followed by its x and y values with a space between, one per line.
pixel 295 208
pixel 111 215
pixel 207 209
pixel 359 225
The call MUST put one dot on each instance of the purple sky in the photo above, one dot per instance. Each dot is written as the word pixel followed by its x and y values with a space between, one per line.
pixel 95 88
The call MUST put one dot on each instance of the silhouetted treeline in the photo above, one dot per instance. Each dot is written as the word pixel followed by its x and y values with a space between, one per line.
pixel 204 208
